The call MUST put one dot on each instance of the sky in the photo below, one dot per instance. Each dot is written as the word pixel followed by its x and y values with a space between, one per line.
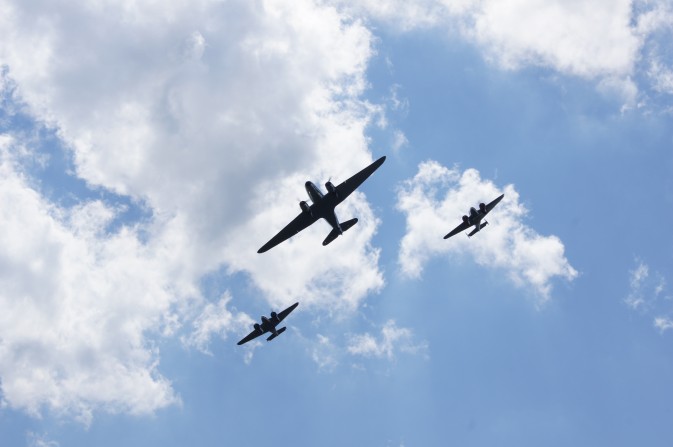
pixel 148 149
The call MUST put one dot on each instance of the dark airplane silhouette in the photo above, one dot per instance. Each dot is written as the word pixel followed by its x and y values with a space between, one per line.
pixel 269 325
pixel 475 217
pixel 323 207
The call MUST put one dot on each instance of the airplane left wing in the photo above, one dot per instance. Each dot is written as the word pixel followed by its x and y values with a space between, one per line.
pixel 251 336
pixel 492 205
pixel 286 312
pixel 462 227
pixel 347 187
pixel 302 221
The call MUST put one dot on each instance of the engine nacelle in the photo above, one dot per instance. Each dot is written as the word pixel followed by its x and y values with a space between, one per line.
pixel 274 316
pixel 257 327
pixel 466 219
pixel 304 207
pixel 330 187
pixel 482 208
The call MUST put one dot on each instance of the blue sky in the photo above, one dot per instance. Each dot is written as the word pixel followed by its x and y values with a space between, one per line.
pixel 147 151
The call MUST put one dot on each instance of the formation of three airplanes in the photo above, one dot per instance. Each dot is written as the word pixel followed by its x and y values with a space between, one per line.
pixel 322 207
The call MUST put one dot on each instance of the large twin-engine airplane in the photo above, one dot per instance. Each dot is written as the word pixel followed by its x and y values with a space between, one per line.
pixel 269 325
pixel 475 217
pixel 323 207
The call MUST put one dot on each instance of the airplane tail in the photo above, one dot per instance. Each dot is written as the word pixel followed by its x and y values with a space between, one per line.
pixel 278 332
pixel 334 233
pixel 477 229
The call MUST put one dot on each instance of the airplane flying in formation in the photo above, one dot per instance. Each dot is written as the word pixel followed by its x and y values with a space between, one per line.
pixel 475 218
pixel 269 325
pixel 323 207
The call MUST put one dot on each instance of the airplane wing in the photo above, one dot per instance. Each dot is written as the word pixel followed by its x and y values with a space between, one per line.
pixel 298 223
pixel 492 205
pixel 286 312
pixel 462 227
pixel 347 187
pixel 251 336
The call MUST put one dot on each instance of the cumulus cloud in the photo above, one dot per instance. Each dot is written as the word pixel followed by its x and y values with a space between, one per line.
pixel 391 340
pixel 209 114
pixel 210 120
pixel 586 39
pixel 433 202
pixel 601 39
pixel 75 303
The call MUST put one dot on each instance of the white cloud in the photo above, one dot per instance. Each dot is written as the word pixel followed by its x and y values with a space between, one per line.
pixel 399 141
pixel 599 39
pixel 662 77
pixel 212 115
pixel 75 303
pixel 217 319
pixel 324 354
pixel 37 440
pixel 408 15
pixel 586 39
pixel 209 143
pixel 647 294
pixel 392 339
pixel 639 275
pixel 663 323
pixel 434 201
pixel 645 289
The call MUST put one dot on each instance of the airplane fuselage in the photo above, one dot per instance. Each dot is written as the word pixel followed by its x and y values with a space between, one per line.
pixel 475 216
pixel 268 325
pixel 323 205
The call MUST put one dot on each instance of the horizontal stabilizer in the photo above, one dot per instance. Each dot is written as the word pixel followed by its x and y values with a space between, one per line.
pixel 278 332
pixel 334 233
pixel 349 223
pixel 477 229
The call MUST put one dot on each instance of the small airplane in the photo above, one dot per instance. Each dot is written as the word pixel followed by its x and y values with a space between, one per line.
pixel 323 207
pixel 269 325
pixel 475 218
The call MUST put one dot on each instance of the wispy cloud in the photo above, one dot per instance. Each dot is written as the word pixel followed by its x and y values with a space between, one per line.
pixel 40 440
pixel 663 323
pixel 433 202
pixel 217 319
pixel 648 295
pixel 324 353
pixel 392 339
pixel 389 340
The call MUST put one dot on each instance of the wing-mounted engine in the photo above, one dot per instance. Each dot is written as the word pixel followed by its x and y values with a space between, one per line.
pixel 305 208
pixel 331 188
pixel 466 219
pixel 257 327
pixel 274 317
pixel 482 208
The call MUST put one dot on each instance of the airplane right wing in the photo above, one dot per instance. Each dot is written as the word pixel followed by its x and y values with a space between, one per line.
pixel 462 227
pixel 286 312
pixel 302 221
pixel 251 336
pixel 492 205
pixel 347 187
